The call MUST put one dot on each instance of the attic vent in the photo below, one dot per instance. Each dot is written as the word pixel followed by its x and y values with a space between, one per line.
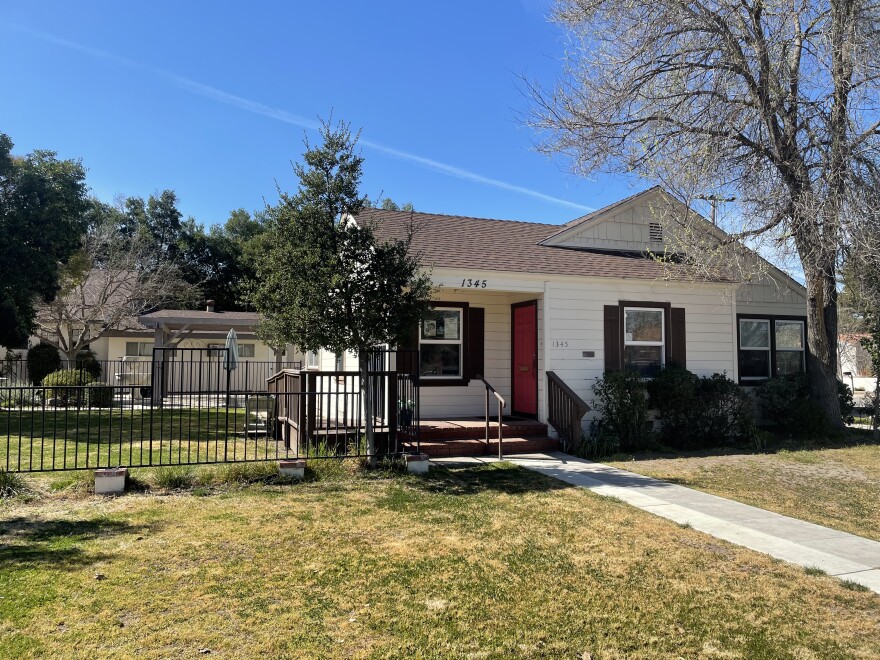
pixel 655 231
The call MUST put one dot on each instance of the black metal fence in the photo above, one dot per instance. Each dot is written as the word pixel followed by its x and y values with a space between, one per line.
pixel 195 373
pixel 66 425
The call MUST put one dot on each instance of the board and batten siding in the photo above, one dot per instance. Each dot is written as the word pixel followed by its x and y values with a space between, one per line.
pixel 575 324
pixel 773 297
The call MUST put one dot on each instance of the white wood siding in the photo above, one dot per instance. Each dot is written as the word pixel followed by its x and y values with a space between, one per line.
pixel 576 324
pixel 470 400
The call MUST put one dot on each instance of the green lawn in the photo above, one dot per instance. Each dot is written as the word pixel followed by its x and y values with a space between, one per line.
pixel 837 486
pixel 489 562
pixel 70 437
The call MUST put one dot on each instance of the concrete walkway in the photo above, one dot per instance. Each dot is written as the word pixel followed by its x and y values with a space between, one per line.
pixel 842 555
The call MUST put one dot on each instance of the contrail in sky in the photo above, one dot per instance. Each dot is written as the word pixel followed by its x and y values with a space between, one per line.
pixel 218 95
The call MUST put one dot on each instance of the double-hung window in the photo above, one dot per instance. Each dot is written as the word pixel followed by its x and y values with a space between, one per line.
pixel 644 340
pixel 138 348
pixel 440 344
pixel 771 346
pixel 754 349
pixel 790 353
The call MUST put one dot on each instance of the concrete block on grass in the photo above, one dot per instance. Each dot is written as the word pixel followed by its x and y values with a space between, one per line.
pixel 293 468
pixel 417 463
pixel 110 481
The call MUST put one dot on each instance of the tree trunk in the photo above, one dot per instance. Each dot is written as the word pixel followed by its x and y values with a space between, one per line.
pixel 822 356
pixel 367 394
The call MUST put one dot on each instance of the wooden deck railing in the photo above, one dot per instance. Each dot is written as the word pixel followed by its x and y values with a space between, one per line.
pixel 565 410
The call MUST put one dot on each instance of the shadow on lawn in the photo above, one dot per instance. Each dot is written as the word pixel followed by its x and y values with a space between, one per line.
pixel 57 542
pixel 848 439
pixel 499 477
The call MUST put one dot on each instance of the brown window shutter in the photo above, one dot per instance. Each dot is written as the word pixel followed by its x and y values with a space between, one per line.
pixel 678 338
pixel 475 343
pixel 408 354
pixel 613 357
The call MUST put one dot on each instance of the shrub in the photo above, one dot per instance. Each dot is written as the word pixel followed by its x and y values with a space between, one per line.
pixel 674 394
pixel 87 362
pixel 42 360
pixel 64 387
pixel 785 402
pixel 725 413
pixel 622 404
pixel 596 444
pixel 17 394
pixel 699 413
pixel 98 395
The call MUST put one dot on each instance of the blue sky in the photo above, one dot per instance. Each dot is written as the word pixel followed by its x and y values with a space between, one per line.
pixel 212 99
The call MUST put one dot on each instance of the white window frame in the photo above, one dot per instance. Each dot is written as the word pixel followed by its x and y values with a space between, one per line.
pixel 661 343
pixel 450 342
pixel 253 348
pixel 802 350
pixel 768 349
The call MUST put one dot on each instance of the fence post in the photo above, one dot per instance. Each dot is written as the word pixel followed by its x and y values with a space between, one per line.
pixel 392 411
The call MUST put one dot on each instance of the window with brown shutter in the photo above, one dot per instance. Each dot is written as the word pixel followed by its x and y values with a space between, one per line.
pixel 435 355
pixel 644 336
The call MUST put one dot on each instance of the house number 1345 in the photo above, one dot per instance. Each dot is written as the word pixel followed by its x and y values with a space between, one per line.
pixel 474 284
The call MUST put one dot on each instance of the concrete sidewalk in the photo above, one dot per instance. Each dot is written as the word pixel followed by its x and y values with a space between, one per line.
pixel 842 555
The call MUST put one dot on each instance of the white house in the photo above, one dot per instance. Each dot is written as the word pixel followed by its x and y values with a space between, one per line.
pixel 517 300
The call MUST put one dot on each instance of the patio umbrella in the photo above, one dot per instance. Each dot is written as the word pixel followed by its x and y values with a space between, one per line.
pixel 231 362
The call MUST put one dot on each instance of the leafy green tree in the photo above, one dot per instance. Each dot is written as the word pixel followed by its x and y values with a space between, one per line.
pixel 326 281
pixel 222 259
pixel 158 218
pixel 42 206
pixel 388 204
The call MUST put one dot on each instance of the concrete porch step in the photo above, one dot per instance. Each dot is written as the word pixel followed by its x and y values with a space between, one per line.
pixel 471 447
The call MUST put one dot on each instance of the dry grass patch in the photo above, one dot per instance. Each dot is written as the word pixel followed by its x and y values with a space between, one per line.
pixel 483 562
pixel 838 487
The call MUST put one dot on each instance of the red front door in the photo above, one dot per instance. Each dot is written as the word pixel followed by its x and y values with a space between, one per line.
pixel 525 358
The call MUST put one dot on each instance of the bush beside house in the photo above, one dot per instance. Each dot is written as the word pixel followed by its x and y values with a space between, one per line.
pixel 700 412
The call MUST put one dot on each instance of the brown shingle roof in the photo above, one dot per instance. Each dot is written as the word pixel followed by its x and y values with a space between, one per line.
pixel 452 241
pixel 201 314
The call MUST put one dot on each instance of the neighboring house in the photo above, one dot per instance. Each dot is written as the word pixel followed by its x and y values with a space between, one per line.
pixel 855 364
pixel 197 334
pixel 516 300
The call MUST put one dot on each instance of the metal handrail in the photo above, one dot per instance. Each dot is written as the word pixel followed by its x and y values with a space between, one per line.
pixel 501 404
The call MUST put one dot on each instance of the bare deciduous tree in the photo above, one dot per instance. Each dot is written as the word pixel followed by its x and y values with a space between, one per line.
pixel 105 287
pixel 773 102
pixel 862 297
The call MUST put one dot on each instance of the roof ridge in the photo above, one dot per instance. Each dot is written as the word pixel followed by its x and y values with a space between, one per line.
pixel 463 217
